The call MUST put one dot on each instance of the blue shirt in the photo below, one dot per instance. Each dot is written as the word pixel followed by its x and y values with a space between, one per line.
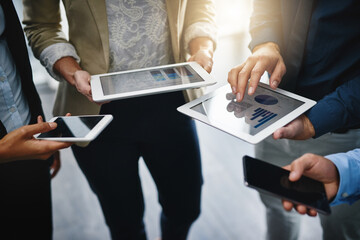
pixel 348 165
pixel 330 72
pixel 14 109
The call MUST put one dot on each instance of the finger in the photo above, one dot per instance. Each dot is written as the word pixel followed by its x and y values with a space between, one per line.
pixel 287 132
pixel 301 209
pixel 244 76
pixel 312 212
pixel 56 164
pixel 256 74
pixel 277 74
pixel 30 130
pixel 40 119
pixel 297 168
pixel 287 205
pixel 233 77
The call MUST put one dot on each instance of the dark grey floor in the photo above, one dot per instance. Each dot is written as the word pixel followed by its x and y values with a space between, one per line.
pixel 230 211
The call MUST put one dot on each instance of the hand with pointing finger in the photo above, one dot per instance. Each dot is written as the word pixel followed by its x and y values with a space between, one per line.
pixel 265 57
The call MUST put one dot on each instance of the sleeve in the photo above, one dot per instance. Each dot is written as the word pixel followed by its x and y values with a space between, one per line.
pixel 348 165
pixel 339 109
pixel 265 23
pixel 54 52
pixel 42 27
pixel 200 21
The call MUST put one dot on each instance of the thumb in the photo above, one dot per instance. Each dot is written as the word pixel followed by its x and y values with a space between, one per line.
pixel 297 169
pixel 39 128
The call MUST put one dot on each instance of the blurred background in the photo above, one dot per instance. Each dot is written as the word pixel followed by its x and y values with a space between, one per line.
pixel 230 211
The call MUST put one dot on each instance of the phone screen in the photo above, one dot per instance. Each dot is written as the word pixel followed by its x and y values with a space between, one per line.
pixel 275 180
pixel 73 126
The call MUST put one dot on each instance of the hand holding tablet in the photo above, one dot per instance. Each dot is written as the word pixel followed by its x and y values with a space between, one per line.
pixel 254 118
pixel 155 80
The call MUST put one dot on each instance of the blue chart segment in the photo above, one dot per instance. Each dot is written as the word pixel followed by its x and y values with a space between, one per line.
pixel 264 116
pixel 266 99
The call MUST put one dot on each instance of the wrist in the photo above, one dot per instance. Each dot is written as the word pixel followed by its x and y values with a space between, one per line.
pixel 203 44
pixel 269 45
pixel 66 67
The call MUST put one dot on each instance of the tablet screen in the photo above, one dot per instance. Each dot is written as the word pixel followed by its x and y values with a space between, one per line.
pixel 77 127
pixel 148 79
pixel 252 114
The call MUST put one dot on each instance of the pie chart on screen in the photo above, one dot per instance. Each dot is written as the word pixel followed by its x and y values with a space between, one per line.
pixel 266 99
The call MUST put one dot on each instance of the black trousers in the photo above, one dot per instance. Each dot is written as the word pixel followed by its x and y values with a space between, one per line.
pixel 148 127
pixel 25 200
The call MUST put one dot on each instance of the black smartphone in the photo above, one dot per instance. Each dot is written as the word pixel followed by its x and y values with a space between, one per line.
pixel 274 180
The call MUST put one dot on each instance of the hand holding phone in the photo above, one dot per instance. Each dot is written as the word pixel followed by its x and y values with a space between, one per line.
pixel 274 180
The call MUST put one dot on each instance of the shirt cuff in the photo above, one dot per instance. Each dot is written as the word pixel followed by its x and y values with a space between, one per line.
pixel 200 29
pixel 348 165
pixel 54 52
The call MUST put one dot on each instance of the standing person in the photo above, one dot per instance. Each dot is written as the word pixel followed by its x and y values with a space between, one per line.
pixel 310 48
pixel 25 193
pixel 115 35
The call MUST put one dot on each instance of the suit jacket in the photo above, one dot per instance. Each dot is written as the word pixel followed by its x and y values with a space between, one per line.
pixel 286 23
pixel 88 32
pixel 15 39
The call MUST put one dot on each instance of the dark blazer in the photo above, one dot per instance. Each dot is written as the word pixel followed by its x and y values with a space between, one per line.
pixel 286 23
pixel 16 41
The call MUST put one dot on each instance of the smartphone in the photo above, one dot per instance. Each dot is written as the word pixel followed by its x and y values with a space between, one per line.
pixel 76 128
pixel 274 180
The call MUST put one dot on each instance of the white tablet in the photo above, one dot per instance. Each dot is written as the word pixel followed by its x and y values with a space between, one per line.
pixel 77 128
pixel 254 118
pixel 140 82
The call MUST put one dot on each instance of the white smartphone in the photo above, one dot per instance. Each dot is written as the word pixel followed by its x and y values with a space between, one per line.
pixel 76 128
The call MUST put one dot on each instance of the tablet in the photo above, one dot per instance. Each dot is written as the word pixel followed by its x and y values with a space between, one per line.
pixel 254 118
pixel 155 80
pixel 274 180
pixel 76 128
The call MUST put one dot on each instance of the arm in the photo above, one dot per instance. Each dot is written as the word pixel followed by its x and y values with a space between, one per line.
pixel 338 109
pixel 48 42
pixel 266 32
pixel 21 145
pixel 200 32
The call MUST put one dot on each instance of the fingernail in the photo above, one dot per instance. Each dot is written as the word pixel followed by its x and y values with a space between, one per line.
pixel 238 97
pixel 233 90
pixel 251 90
pixel 275 84
pixel 52 124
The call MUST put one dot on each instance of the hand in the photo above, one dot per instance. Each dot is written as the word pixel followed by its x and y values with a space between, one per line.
pixel 71 71
pixel 201 51
pixel 299 129
pixel 21 145
pixel 55 167
pixel 318 168
pixel 265 57
pixel 204 58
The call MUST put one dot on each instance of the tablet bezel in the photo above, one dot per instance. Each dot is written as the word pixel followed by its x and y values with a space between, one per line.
pixel 94 132
pixel 98 94
pixel 253 139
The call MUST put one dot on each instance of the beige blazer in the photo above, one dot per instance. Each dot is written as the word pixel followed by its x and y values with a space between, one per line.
pixel 88 33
